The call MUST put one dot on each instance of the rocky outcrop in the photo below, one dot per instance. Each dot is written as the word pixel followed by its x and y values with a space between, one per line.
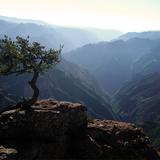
pixel 61 130
pixel 115 140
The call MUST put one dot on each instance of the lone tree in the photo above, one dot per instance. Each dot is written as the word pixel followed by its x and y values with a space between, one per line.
pixel 22 56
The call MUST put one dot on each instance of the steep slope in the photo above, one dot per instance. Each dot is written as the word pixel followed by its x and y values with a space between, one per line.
pixel 67 82
pixel 111 62
pixel 104 60
pixel 139 47
pixel 138 101
pixel 148 63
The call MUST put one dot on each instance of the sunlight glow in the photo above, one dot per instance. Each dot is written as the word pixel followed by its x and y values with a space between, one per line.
pixel 124 15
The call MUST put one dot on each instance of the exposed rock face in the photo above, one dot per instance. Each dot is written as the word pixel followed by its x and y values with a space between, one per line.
pixel 115 140
pixel 60 130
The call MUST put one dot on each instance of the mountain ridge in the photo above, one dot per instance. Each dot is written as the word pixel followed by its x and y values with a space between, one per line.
pixel 145 35
pixel 111 61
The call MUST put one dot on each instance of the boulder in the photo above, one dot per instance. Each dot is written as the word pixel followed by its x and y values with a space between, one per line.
pixel 44 132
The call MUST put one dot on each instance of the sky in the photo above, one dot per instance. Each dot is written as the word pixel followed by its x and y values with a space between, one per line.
pixel 123 15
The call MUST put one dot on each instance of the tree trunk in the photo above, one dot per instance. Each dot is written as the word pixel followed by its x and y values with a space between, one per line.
pixel 35 89
pixel 27 104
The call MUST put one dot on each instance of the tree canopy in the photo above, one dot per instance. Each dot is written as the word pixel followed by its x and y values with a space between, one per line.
pixel 21 56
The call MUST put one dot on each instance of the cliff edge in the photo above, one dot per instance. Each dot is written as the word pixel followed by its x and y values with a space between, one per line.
pixel 62 130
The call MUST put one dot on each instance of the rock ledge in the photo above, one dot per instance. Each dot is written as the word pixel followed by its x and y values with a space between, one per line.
pixel 61 130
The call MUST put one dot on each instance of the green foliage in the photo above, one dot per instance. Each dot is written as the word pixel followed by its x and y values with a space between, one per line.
pixel 21 56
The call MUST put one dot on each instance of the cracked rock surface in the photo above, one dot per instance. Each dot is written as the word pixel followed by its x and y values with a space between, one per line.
pixel 62 130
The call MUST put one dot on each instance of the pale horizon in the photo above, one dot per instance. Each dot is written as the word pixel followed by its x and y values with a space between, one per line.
pixel 121 15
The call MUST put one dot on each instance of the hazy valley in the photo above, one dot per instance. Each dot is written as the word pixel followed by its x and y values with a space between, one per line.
pixel 116 76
